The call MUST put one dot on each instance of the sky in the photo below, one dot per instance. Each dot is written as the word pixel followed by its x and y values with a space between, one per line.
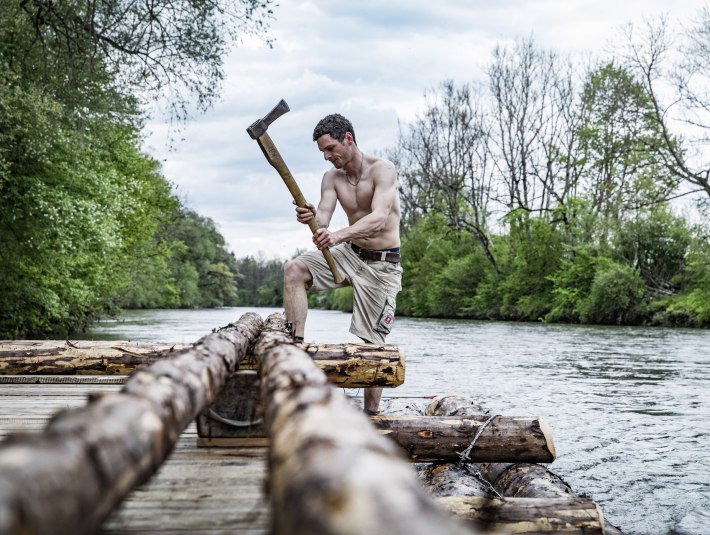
pixel 371 61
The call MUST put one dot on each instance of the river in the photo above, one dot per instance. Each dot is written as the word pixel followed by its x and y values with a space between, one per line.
pixel 628 406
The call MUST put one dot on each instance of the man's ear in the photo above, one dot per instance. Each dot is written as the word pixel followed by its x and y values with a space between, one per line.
pixel 348 138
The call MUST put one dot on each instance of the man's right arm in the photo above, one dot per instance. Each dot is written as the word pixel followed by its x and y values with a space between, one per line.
pixel 326 206
pixel 328 201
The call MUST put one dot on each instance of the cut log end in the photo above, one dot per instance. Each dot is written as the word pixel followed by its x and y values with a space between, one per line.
pixel 547 433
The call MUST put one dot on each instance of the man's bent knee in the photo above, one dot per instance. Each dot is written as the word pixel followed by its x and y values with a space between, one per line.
pixel 296 272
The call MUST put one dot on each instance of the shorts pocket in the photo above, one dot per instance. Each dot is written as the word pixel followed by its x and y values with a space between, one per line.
pixel 386 320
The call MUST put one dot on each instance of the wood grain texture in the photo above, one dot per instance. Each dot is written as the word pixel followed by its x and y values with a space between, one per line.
pixel 68 478
pixel 443 438
pixel 528 515
pixel 346 365
pixel 330 471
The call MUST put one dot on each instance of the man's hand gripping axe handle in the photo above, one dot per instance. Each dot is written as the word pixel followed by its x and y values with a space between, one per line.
pixel 258 131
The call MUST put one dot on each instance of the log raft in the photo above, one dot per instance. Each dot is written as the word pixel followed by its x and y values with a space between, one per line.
pixel 330 471
pixel 506 480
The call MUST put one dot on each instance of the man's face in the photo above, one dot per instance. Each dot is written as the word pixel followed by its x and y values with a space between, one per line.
pixel 333 150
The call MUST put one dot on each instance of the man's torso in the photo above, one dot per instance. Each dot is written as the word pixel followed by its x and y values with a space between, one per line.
pixel 356 201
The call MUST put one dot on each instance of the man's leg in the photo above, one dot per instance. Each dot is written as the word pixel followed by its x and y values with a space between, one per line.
pixel 296 276
pixel 372 399
pixel 371 402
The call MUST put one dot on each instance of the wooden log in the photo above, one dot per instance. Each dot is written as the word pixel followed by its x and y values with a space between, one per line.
pixel 436 438
pixel 345 365
pixel 330 471
pixel 448 479
pixel 522 480
pixel 528 515
pixel 56 357
pixel 67 479
pixel 359 365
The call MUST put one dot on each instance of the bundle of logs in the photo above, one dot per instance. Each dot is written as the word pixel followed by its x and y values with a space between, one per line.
pixel 330 469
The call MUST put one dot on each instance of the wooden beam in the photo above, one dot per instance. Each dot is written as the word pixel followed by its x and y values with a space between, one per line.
pixel 345 365
pixel 528 515
pixel 330 471
pixel 67 479
pixel 442 438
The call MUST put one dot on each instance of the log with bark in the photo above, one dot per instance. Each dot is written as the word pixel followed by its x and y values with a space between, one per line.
pixel 359 365
pixel 56 357
pixel 436 438
pixel 68 478
pixel 521 480
pixel 345 365
pixel 528 515
pixel 330 471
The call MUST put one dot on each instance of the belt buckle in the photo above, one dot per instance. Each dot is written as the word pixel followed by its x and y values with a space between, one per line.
pixel 383 256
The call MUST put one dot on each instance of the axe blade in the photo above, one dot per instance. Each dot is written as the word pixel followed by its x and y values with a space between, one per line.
pixel 259 127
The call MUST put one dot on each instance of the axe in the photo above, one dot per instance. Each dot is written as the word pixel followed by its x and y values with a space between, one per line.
pixel 258 131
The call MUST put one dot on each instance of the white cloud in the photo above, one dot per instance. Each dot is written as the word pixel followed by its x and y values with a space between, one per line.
pixel 371 61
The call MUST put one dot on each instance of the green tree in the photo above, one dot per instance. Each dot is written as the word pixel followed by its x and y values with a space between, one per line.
pixel 572 283
pixel 169 52
pixel 204 269
pixel 81 208
pixel 534 254
pixel 656 243
pixel 72 207
pixel 260 282
pixel 621 144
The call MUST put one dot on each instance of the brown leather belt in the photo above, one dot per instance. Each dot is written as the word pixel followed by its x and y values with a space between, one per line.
pixel 377 255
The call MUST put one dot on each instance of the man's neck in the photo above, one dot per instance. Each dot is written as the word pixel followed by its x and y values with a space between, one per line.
pixel 354 167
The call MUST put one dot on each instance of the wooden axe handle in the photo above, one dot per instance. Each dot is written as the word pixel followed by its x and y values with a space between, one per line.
pixel 277 162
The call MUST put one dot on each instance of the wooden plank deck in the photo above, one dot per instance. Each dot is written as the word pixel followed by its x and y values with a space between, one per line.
pixel 200 491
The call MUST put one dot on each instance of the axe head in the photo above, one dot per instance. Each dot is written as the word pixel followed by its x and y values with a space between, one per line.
pixel 259 127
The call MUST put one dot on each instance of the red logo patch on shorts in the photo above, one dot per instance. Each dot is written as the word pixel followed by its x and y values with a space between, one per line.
pixel 388 319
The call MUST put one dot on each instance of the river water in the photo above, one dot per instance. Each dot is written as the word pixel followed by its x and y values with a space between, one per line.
pixel 629 407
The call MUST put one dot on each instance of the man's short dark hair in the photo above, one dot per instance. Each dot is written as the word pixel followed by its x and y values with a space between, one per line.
pixel 335 125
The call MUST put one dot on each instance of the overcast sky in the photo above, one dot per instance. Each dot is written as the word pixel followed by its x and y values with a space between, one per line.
pixel 371 61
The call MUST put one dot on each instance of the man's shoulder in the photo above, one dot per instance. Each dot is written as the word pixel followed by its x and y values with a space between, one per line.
pixel 378 160
pixel 383 169
pixel 331 174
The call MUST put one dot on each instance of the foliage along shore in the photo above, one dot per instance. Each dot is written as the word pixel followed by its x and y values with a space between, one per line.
pixel 549 193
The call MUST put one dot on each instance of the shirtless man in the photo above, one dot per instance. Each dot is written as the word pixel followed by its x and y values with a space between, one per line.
pixel 366 251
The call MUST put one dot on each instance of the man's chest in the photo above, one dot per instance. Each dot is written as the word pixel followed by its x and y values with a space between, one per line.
pixel 355 199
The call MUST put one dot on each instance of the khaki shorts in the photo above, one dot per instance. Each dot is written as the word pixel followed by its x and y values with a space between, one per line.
pixel 375 288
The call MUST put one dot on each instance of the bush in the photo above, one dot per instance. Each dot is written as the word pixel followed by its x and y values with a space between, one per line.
pixel 616 296
pixel 572 284
pixel 337 299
